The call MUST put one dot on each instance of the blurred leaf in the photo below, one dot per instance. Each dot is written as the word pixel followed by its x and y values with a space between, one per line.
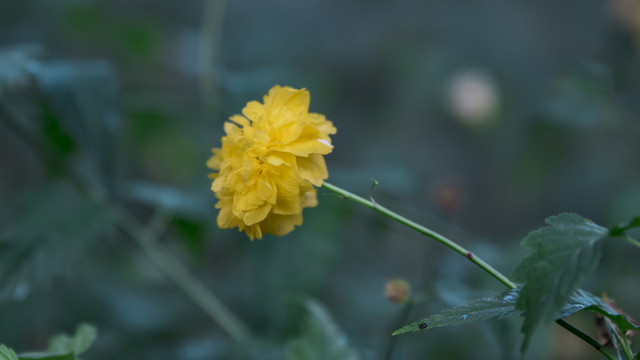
pixel 500 306
pixel 583 99
pixel 119 32
pixel 15 63
pixel 82 99
pixel 321 338
pixel 82 94
pixel 46 356
pixel 47 238
pixel 77 344
pixel 78 109
pixel 545 149
pixel 192 234
pixel 563 254
pixel 7 354
pixel 64 347
pixel 175 200
pixel 84 18
pixel 138 37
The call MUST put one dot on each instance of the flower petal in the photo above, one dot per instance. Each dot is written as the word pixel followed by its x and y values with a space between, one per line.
pixel 255 216
pixel 312 168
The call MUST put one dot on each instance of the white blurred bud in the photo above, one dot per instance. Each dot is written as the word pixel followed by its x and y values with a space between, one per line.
pixel 472 97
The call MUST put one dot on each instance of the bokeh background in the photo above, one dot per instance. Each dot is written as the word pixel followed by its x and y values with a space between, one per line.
pixel 478 119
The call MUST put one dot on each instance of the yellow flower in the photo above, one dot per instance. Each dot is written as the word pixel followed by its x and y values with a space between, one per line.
pixel 268 163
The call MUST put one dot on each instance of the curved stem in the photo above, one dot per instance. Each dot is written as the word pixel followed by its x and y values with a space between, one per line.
pixel 462 251
pixel 178 273
pixel 425 231
pixel 586 338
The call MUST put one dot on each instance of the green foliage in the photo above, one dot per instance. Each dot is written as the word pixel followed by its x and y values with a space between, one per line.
pixel 46 356
pixel 504 305
pixel 563 254
pixel 7 354
pixel 500 306
pixel 55 227
pixel 321 338
pixel 61 346
pixel 77 344
pixel 77 109
pixel 584 300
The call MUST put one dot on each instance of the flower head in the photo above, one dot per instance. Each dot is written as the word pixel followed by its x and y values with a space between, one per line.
pixel 270 158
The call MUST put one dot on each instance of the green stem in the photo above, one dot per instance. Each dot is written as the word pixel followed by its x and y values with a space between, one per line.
pixel 632 241
pixel 425 231
pixel 586 338
pixel 622 339
pixel 464 252
pixel 177 272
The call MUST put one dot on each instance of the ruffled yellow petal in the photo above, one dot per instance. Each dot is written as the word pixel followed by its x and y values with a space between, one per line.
pixel 313 169
pixel 271 156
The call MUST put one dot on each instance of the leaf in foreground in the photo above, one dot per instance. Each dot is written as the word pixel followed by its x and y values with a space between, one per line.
pixel 504 305
pixel 563 254
pixel 7 354
pixel 500 306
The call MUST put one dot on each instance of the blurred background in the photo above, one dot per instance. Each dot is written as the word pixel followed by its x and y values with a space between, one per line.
pixel 478 118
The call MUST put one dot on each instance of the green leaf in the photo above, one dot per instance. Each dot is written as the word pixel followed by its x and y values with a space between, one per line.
pixel 77 344
pixel 595 304
pixel 504 305
pixel 563 254
pixel 321 338
pixel 500 306
pixel 7 354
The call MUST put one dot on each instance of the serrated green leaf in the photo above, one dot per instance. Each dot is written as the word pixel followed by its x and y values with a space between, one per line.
pixel 7 354
pixel 500 306
pixel 563 254
pixel 77 344
pixel 504 305
pixel 321 338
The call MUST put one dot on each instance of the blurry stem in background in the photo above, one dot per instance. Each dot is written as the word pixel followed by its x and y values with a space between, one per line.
pixel 176 271
pixel 632 241
pixel 462 251
pixel 402 319
pixel 209 52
